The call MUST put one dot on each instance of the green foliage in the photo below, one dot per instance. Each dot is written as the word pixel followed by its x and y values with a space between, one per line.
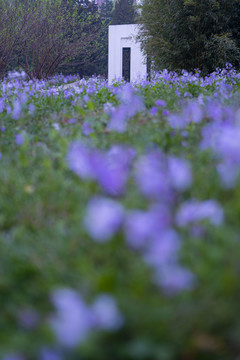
pixel 92 58
pixel 124 12
pixel 191 34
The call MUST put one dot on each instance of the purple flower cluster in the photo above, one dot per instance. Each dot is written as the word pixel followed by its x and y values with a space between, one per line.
pixel 194 211
pixel 141 226
pixel 110 169
pixel 151 232
pixel 19 139
pixel 222 136
pixel 74 320
pixel 157 176
pixel 130 105
pixel 103 218
pixel 191 113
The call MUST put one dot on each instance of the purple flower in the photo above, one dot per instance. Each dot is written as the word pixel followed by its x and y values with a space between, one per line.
pixel 228 144
pixel 19 139
pixel 141 226
pixel 86 98
pixel 72 121
pixel 86 129
pixel 210 135
pixel 165 112
pixel 163 249
pixel 17 108
pixel 56 126
pixel 176 121
pixel 179 173
pixel 106 313
pixel 109 169
pixel 193 112
pixel 73 320
pixel 50 354
pixel 174 279
pixel 79 160
pixel 160 102
pixel 215 111
pixel 118 120
pixel 2 105
pixel 31 108
pixel 130 105
pixel 103 218
pixel 113 170
pixel 151 176
pixel 224 140
pixel 228 173
pixel 153 111
pixel 194 211
pixel 108 108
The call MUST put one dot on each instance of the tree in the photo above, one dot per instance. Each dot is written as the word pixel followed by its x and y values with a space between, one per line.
pixel 95 60
pixel 190 34
pixel 106 12
pixel 13 27
pixel 88 61
pixel 124 12
pixel 56 33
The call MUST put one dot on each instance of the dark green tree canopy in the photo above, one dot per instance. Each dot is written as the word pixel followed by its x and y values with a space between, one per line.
pixel 95 59
pixel 124 12
pixel 191 34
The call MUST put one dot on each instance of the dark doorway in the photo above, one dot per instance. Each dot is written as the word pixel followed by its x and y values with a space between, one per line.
pixel 126 59
pixel 149 67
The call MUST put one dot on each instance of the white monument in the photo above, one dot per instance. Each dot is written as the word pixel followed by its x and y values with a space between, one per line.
pixel 125 59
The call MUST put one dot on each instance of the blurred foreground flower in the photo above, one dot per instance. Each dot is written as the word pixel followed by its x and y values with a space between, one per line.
pixel 174 279
pixel 86 129
pixel 151 176
pixel 110 169
pixel 103 218
pixel 106 314
pixel 130 105
pixel 194 211
pixel 179 173
pixel 163 249
pixel 19 139
pixel 50 354
pixel 142 226
pixel 157 175
pixel 74 319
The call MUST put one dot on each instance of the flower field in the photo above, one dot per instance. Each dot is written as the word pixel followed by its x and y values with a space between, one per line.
pixel 120 218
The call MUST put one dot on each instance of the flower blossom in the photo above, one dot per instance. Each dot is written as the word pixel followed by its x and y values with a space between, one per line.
pixel 103 218
pixel 194 211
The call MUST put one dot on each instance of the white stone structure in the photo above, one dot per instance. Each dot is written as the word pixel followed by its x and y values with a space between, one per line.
pixel 125 58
